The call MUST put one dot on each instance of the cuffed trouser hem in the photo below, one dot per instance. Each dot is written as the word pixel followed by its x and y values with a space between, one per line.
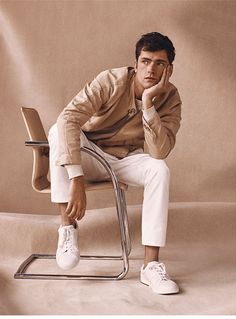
pixel 154 243
pixel 59 199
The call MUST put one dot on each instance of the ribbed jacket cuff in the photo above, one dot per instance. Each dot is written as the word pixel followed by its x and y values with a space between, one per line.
pixel 149 114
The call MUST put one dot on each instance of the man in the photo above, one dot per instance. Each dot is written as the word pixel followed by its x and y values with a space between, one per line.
pixel 115 114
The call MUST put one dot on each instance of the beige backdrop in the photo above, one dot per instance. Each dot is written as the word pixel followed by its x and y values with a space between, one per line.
pixel 49 49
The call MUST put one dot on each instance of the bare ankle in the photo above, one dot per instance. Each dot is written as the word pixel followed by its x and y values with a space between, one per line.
pixel 65 220
pixel 147 262
pixel 66 223
pixel 151 254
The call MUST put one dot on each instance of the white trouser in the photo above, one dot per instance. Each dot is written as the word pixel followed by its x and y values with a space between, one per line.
pixel 134 170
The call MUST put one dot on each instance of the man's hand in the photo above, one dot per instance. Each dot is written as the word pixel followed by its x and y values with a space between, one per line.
pixel 157 89
pixel 77 198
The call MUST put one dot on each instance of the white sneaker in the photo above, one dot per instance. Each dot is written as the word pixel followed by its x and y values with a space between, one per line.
pixel 67 254
pixel 155 276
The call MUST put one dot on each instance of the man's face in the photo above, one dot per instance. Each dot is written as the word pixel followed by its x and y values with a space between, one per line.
pixel 149 68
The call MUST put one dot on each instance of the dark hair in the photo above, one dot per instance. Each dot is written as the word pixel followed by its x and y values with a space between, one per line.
pixel 155 41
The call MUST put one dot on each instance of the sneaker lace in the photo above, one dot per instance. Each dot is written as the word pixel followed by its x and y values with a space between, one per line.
pixel 68 240
pixel 160 270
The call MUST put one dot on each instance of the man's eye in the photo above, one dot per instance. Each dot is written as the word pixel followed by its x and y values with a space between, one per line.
pixel 145 62
pixel 161 63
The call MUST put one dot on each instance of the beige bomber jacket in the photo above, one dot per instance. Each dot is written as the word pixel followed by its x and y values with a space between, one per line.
pixel 105 110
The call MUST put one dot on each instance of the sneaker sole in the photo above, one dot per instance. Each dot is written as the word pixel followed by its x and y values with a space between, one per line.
pixel 161 292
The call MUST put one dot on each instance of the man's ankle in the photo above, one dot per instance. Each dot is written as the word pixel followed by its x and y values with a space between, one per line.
pixel 65 220
pixel 68 222
pixel 147 262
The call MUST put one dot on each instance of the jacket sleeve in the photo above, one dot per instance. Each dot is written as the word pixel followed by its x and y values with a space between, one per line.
pixel 160 132
pixel 86 103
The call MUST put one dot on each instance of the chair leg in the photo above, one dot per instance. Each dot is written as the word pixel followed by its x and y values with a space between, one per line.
pixel 121 211
pixel 124 237
pixel 20 273
pixel 126 222
pixel 125 246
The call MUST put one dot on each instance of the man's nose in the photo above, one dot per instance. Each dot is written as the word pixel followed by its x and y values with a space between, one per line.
pixel 151 68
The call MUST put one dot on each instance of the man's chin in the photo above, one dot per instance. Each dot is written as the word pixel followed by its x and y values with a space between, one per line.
pixel 149 85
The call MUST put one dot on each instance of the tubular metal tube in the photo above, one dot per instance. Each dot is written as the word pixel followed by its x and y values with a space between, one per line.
pixel 123 226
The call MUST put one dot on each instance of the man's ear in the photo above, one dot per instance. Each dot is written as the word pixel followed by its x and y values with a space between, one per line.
pixel 135 65
pixel 171 69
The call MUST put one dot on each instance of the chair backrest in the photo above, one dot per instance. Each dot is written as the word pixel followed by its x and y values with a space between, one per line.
pixel 33 124
pixel 36 132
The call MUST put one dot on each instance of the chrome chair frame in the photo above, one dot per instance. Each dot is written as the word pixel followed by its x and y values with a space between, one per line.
pixel 123 228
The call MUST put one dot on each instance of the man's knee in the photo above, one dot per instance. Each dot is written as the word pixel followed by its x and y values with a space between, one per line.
pixel 158 169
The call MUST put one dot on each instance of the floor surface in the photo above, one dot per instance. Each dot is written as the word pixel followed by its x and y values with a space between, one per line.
pixel 200 256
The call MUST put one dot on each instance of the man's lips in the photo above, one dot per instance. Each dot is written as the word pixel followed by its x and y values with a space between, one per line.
pixel 150 78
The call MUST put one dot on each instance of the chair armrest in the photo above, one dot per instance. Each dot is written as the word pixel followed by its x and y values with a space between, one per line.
pixel 42 145
pixel 98 157
pixel 37 143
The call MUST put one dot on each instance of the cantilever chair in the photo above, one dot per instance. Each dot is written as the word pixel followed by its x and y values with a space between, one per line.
pixel 40 183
